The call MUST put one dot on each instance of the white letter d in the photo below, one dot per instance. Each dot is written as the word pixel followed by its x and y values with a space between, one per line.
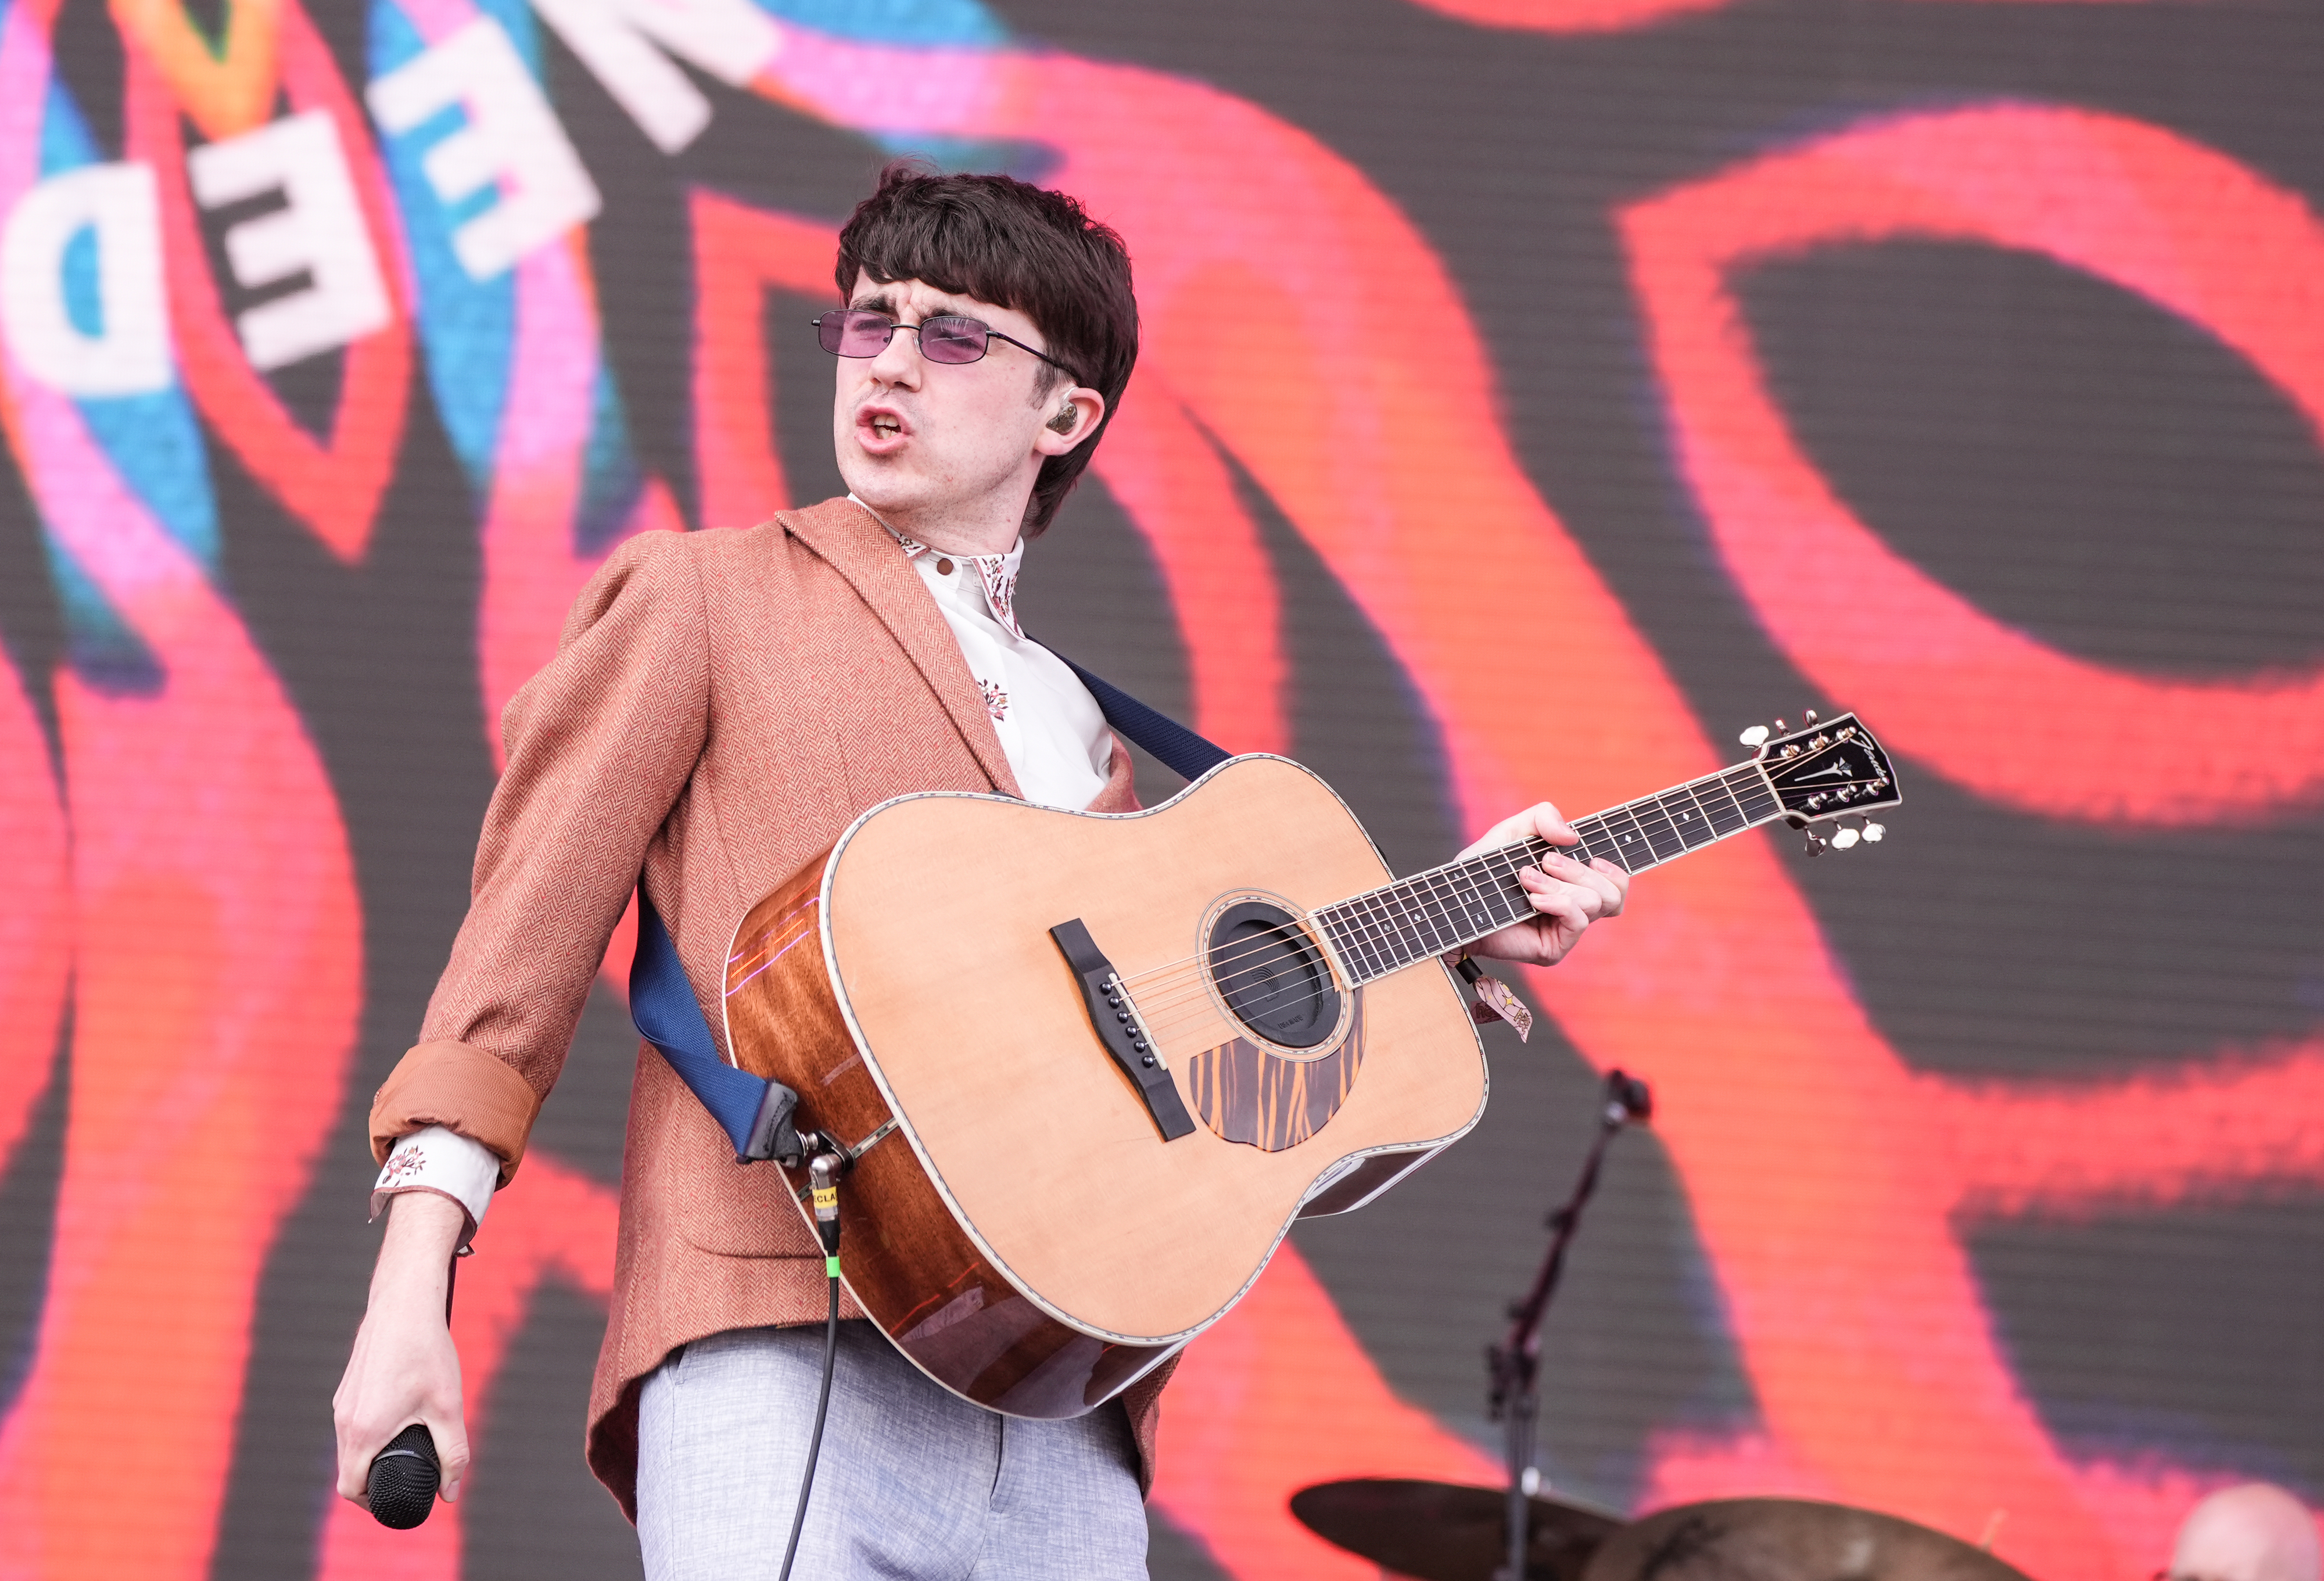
pixel 130 352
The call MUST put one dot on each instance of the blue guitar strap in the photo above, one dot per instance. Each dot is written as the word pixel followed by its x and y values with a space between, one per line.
pixel 755 1113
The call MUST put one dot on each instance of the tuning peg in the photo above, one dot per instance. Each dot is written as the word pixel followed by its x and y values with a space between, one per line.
pixel 1841 839
pixel 1817 845
pixel 1754 737
pixel 1873 831
pixel 1780 727
pixel 1810 717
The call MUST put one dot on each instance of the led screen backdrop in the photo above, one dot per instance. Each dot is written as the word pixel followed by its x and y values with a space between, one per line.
pixel 1535 392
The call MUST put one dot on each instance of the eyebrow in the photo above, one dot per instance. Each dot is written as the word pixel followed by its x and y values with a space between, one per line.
pixel 885 305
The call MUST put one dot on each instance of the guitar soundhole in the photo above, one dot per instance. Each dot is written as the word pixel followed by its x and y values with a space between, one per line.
pixel 1272 977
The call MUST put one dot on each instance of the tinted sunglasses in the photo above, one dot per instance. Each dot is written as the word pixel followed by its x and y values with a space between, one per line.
pixel 948 338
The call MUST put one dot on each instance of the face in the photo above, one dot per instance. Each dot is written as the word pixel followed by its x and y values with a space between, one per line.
pixel 948 451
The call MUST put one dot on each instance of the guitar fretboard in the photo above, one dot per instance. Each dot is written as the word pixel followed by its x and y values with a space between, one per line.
pixel 1386 930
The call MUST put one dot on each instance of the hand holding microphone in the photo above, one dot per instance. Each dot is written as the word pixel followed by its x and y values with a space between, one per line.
pixel 403 1381
pixel 401 1486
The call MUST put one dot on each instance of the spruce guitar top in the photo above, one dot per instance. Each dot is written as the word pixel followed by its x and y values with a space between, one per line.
pixel 1089 1077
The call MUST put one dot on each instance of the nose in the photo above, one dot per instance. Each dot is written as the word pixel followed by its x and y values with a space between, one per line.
pixel 898 362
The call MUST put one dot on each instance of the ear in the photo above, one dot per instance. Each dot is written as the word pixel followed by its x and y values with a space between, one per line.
pixel 1086 408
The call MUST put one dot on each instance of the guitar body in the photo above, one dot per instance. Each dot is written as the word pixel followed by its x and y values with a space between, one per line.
pixel 1021 1230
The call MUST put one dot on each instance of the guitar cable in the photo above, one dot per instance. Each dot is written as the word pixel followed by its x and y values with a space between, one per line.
pixel 823 1175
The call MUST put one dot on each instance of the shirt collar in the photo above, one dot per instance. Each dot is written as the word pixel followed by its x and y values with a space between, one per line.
pixel 996 573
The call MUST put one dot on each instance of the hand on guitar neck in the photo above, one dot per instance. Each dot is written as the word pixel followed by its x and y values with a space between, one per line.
pixel 1568 894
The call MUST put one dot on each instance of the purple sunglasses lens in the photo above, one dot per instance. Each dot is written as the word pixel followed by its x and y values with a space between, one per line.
pixel 950 339
pixel 860 332
pixel 852 333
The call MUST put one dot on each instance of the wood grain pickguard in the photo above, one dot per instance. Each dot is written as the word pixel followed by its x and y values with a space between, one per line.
pixel 1250 1094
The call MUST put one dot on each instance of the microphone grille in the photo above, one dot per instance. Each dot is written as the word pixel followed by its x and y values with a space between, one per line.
pixel 403 1477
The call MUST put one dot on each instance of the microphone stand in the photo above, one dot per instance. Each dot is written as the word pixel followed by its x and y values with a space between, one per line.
pixel 1515 1363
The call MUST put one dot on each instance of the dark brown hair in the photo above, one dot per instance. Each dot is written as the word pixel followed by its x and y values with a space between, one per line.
pixel 1016 245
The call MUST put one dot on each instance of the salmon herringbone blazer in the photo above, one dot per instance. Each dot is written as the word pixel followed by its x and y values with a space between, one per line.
pixel 721 706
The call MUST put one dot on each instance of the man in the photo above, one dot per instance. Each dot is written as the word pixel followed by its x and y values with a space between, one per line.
pixel 722 705
pixel 2254 1531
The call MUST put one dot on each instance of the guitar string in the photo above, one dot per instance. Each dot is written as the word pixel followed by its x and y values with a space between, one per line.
pixel 1421 906
pixel 1170 1011
pixel 1427 904
pixel 1428 909
pixel 1502 854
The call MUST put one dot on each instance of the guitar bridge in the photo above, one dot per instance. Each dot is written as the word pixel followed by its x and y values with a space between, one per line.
pixel 1120 1028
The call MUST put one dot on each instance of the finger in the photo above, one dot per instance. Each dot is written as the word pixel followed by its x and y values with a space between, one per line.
pixel 357 1449
pixel 1587 898
pixel 451 1435
pixel 1550 823
pixel 1608 888
pixel 354 1477
pixel 1570 907
pixel 1541 819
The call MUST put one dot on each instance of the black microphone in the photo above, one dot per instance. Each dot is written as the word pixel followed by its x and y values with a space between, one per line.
pixel 1631 1096
pixel 403 1477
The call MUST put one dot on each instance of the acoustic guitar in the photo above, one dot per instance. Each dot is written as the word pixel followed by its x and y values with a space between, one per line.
pixel 1087 1070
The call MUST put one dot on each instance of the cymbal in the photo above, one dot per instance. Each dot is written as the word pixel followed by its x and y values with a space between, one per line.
pixel 1445 1531
pixel 1786 1539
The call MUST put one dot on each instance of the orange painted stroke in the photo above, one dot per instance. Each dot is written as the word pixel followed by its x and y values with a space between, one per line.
pixel 1168 475
pixel 2190 230
pixel 217 972
pixel 740 255
pixel 217 954
pixel 334 486
pixel 1277 1396
pixel 223 89
pixel 2221 1129
pixel 1590 17
pixel 36 924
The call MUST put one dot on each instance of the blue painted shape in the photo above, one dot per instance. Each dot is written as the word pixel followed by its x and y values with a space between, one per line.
pixel 1008 156
pixel 152 440
pixel 896 22
pixel 611 478
pixel 468 327
pixel 83 303
pixel 104 650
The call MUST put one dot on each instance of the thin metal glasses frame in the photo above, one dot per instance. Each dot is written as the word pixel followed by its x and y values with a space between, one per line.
pixel 827 338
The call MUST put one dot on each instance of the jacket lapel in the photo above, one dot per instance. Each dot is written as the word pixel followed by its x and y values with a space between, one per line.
pixel 851 541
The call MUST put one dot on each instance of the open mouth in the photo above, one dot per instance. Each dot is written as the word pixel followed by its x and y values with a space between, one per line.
pixel 886 427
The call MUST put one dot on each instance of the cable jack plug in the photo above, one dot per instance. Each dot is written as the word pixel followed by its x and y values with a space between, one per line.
pixel 823 1174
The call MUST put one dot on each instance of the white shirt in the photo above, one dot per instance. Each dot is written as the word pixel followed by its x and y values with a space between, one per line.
pixel 1051 729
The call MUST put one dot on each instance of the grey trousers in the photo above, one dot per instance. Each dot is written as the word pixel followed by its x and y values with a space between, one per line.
pixel 913 1481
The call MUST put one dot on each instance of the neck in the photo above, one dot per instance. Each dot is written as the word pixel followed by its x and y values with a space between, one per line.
pixel 1386 930
pixel 989 526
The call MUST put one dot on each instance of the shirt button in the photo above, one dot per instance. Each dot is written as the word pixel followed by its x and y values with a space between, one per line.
pixel 944 568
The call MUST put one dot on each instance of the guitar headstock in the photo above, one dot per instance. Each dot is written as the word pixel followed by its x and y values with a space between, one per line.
pixel 1826 769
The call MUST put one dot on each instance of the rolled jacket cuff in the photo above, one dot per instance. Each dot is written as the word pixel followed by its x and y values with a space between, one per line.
pixel 462 1088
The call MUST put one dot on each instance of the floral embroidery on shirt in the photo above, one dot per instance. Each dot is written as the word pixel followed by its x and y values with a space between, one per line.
pixel 994 571
pixel 996 701
pixel 405 1162
pixel 1001 591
